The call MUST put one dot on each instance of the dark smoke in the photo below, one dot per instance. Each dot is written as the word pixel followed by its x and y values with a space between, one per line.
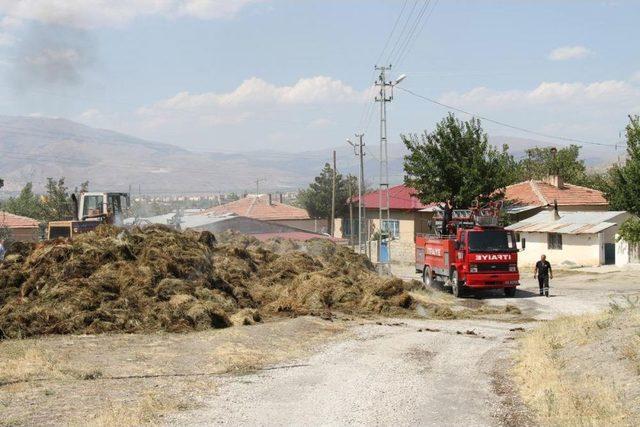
pixel 53 56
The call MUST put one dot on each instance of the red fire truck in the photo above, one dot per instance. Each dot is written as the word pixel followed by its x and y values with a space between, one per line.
pixel 470 252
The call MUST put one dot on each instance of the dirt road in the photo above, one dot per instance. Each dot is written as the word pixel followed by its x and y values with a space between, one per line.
pixel 404 371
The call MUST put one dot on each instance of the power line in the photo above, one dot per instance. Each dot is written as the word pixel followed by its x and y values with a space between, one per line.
pixel 367 111
pixel 395 24
pixel 410 34
pixel 497 122
pixel 404 28
pixel 412 43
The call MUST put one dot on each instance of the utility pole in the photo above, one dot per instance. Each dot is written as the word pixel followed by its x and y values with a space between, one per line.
pixel 352 241
pixel 258 181
pixel 358 149
pixel 385 95
pixel 333 196
pixel 383 183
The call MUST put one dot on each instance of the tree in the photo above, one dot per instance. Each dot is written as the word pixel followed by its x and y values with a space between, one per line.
pixel 56 203
pixel 316 199
pixel 540 163
pixel 624 191
pixel 456 164
pixel 25 204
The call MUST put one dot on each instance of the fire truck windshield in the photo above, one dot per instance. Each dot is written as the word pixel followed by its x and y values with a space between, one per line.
pixel 491 241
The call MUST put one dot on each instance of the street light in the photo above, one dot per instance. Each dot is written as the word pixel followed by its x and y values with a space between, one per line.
pixel 399 79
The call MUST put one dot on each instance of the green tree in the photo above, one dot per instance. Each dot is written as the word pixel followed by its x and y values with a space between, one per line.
pixel 540 163
pixel 624 191
pixel 455 163
pixel 56 203
pixel 316 199
pixel 26 204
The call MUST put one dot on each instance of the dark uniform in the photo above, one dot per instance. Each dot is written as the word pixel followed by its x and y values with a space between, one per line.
pixel 544 270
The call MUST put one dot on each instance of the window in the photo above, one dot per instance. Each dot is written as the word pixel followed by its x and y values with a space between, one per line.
pixel 392 227
pixel 92 206
pixel 492 241
pixel 346 227
pixel 554 241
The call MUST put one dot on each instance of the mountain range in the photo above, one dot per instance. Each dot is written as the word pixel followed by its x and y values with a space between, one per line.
pixel 34 148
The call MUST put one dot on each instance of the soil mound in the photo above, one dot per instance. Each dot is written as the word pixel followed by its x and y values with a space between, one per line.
pixel 156 278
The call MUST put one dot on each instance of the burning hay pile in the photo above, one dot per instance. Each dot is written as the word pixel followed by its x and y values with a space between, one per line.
pixel 160 279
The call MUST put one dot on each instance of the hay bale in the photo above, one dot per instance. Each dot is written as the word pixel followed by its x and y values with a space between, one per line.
pixel 246 316
pixel 157 278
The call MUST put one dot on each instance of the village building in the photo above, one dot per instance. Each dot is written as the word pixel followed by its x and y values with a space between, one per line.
pixel 207 221
pixel 263 207
pixel 569 239
pixel 525 199
pixel 21 228
pixel 407 217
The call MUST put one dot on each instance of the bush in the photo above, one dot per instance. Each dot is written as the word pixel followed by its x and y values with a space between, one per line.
pixel 630 230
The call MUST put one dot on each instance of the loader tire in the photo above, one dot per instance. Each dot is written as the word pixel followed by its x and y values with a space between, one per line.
pixel 510 292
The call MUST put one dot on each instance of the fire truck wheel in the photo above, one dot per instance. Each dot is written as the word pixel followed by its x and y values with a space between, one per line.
pixel 457 287
pixel 510 292
pixel 427 277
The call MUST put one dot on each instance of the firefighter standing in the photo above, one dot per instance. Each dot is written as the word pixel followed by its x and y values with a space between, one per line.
pixel 544 273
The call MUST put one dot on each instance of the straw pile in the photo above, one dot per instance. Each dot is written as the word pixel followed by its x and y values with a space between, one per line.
pixel 155 278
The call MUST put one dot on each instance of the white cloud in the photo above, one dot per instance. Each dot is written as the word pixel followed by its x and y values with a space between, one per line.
pixel 320 123
pixel 635 77
pixel 108 13
pixel 256 92
pixel 6 39
pixel 565 53
pixel 547 93
pixel 91 114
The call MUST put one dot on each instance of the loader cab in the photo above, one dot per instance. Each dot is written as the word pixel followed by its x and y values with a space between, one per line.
pixel 109 207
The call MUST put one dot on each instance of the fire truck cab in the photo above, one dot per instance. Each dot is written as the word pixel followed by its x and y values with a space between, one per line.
pixel 477 255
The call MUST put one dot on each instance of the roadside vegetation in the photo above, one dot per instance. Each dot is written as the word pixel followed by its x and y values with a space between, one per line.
pixel 584 370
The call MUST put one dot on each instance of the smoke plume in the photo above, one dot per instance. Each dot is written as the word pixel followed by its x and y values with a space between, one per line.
pixel 53 56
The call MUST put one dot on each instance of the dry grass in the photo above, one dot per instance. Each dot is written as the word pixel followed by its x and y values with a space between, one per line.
pixel 575 371
pixel 147 410
pixel 158 279
pixel 24 360
pixel 443 306
pixel 180 369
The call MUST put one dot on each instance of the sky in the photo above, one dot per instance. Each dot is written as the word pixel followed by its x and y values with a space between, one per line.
pixel 297 75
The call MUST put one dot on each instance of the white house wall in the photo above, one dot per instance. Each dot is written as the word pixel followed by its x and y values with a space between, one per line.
pixel 577 249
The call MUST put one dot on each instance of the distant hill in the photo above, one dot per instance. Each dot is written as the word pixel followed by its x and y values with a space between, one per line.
pixel 34 148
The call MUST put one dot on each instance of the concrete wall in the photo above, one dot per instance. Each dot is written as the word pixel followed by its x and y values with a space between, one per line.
pixel 402 248
pixel 627 253
pixel 25 234
pixel 577 249
pixel 313 225
pixel 583 208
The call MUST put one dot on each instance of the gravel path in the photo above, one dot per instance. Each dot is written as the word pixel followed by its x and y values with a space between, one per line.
pixel 399 372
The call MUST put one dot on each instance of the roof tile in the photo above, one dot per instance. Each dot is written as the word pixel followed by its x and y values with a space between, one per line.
pixel 259 208
pixel 401 197
pixel 16 221
pixel 541 193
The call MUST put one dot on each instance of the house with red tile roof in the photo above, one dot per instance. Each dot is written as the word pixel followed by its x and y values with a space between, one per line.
pixel 263 207
pixel 215 223
pixel 408 216
pixel 527 198
pixel 20 228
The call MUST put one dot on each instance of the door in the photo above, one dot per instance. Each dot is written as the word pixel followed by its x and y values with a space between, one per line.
pixel 609 253
pixel 384 251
